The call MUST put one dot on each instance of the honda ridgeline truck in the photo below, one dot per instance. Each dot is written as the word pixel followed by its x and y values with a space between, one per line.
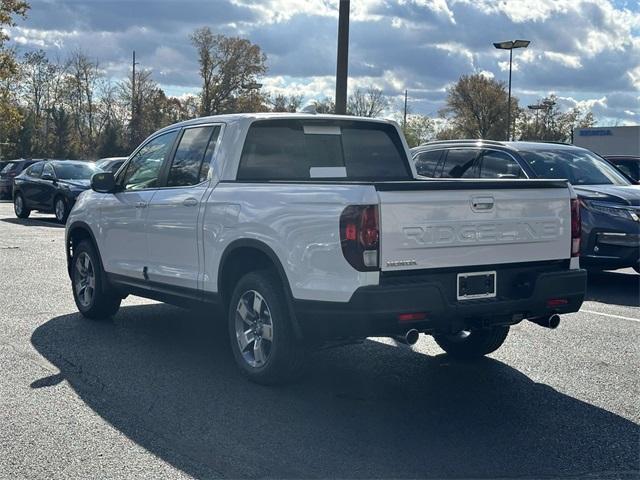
pixel 313 229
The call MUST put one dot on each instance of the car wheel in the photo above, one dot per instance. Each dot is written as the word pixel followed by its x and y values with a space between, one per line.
pixel 263 340
pixel 93 299
pixel 19 206
pixel 471 344
pixel 60 209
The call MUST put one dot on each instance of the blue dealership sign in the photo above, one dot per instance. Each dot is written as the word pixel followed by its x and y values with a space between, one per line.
pixel 602 132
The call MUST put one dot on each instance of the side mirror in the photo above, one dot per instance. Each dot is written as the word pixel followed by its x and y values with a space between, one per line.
pixel 103 182
pixel 48 176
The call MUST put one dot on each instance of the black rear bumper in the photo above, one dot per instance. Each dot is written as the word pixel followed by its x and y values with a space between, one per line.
pixel 523 291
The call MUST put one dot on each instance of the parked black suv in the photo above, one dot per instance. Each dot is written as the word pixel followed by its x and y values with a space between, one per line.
pixel 610 203
pixel 8 171
pixel 51 187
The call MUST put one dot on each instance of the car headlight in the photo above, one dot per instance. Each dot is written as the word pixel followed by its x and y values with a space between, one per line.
pixel 614 210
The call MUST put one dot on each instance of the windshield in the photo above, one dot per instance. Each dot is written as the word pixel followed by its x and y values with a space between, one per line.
pixel 579 167
pixel 75 171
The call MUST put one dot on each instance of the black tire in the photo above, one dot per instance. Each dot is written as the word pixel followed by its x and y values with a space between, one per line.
pixel 61 216
pixel 286 357
pixel 473 344
pixel 103 303
pixel 20 207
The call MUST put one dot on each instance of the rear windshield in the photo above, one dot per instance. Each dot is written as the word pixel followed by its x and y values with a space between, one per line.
pixel 306 150
pixel 579 167
pixel 75 171
pixel 9 167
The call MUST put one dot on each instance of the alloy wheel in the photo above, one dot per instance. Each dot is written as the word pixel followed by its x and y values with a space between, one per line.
pixel 60 208
pixel 254 328
pixel 18 204
pixel 85 280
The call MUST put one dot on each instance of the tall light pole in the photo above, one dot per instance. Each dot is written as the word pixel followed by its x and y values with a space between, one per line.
pixel 510 45
pixel 343 57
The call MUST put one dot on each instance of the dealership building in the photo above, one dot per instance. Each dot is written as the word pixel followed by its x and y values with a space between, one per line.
pixel 609 140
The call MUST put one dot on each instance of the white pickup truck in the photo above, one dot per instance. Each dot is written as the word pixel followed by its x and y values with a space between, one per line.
pixel 313 229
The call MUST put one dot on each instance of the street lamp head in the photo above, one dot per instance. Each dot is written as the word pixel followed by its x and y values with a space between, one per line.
pixel 521 43
pixel 503 45
pixel 511 44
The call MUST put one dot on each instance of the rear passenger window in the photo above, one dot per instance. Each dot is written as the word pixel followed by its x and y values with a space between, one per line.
pixel 35 170
pixel 426 162
pixel 303 149
pixel 460 163
pixel 495 164
pixel 186 168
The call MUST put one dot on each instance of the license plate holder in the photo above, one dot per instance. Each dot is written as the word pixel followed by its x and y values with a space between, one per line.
pixel 474 285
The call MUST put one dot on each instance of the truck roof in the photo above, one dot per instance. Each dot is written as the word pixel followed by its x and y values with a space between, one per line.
pixel 250 117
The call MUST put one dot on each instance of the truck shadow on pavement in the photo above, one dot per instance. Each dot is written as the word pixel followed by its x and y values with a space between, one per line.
pixel 614 288
pixel 165 378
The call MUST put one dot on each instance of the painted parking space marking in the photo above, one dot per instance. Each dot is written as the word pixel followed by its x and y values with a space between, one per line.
pixel 610 315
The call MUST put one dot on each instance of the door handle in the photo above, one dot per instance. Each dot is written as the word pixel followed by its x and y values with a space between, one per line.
pixel 482 204
pixel 141 205
pixel 190 202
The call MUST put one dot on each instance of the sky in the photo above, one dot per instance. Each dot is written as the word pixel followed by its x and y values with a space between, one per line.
pixel 587 52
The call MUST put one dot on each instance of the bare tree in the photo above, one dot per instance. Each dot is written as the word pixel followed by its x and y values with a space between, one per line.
pixel 83 77
pixel 367 103
pixel 229 67
pixel 285 103
pixel 326 105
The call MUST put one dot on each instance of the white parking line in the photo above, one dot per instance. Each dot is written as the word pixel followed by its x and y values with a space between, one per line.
pixel 611 315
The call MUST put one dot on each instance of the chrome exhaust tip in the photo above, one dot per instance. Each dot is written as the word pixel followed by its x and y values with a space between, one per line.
pixel 552 321
pixel 409 338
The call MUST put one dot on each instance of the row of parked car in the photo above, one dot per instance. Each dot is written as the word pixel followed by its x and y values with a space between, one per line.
pixel 49 186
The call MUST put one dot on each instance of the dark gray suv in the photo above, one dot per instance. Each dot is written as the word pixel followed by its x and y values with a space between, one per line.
pixel 610 203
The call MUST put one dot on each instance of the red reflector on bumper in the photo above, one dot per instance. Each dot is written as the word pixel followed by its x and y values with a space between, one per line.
pixel 556 302
pixel 411 317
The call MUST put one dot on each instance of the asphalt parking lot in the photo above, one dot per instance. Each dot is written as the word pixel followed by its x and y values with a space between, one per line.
pixel 155 394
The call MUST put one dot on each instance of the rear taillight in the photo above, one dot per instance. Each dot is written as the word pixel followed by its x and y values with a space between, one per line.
pixel 360 236
pixel 576 227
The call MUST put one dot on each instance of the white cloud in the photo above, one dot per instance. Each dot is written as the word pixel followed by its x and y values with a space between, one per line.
pixel 41 38
pixel 571 61
pixel 582 49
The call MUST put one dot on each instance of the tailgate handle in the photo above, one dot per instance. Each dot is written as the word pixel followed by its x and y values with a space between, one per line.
pixel 482 204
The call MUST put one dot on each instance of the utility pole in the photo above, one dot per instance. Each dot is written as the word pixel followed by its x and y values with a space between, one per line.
pixel 404 122
pixel 509 101
pixel 133 85
pixel 343 58
pixel 132 124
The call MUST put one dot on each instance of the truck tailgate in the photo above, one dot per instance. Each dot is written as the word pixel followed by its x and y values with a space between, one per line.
pixel 438 224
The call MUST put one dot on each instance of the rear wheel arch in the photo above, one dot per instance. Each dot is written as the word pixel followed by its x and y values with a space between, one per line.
pixel 77 232
pixel 247 255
